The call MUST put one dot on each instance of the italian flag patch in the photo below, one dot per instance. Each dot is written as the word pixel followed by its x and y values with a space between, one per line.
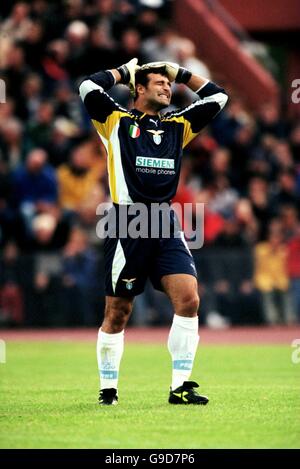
pixel 134 131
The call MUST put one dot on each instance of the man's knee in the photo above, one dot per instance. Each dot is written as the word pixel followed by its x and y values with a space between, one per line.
pixel 188 305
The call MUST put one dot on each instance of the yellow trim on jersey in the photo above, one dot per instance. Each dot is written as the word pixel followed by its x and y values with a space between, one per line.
pixel 188 134
pixel 105 129
pixel 111 174
pixel 108 133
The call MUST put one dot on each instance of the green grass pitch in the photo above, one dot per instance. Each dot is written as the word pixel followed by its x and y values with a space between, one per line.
pixel 49 399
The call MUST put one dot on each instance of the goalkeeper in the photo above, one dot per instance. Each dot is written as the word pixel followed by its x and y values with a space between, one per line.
pixel 144 151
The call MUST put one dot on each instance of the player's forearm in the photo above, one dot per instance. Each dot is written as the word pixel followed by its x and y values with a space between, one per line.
pixel 116 74
pixel 207 89
pixel 106 78
pixel 196 82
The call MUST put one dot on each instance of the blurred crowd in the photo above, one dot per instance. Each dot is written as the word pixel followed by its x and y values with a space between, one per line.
pixel 245 167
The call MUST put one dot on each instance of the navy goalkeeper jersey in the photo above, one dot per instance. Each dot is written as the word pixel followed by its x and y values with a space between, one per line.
pixel 144 151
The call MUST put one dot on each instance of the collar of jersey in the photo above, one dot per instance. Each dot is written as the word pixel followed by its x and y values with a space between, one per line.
pixel 141 114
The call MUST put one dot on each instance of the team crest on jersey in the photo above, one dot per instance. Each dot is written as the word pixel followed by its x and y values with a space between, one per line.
pixel 134 131
pixel 156 135
pixel 129 282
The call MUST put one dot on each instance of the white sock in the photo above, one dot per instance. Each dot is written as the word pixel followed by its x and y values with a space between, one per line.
pixel 182 344
pixel 109 353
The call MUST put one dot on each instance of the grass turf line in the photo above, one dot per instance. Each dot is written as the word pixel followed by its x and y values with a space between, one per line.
pixel 49 399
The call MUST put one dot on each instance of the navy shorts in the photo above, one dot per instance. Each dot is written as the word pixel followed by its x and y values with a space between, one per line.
pixel 130 262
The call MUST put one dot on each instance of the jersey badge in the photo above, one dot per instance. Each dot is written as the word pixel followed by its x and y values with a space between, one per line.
pixel 134 131
pixel 156 135
pixel 129 282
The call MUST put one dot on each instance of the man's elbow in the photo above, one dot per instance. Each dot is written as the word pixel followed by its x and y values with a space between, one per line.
pixel 223 98
pixel 87 86
pixel 81 86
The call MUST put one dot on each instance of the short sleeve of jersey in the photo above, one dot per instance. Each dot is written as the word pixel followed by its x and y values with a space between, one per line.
pixel 103 110
pixel 201 112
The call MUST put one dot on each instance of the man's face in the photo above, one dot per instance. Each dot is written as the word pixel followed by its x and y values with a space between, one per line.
pixel 158 91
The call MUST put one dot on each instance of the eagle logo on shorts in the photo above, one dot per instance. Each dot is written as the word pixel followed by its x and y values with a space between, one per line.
pixel 129 282
pixel 156 135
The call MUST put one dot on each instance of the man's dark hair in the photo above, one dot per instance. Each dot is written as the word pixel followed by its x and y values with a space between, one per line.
pixel 142 76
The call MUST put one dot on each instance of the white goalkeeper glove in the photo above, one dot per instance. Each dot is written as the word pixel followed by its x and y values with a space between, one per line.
pixel 127 72
pixel 173 70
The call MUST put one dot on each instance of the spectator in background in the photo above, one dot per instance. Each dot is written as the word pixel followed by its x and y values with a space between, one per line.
pixel 225 126
pixel 14 74
pixel 77 34
pixel 12 146
pixel 105 16
pixel 271 277
pixel 269 121
pixel 236 298
pixel 286 191
pixel 39 129
pixel 290 221
pixel 263 211
pixel 244 214
pixel 242 149
pixel 11 294
pixel 147 21
pixel 33 45
pixel 73 10
pixel 291 231
pixel 31 96
pixel 54 64
pixel 295 143
pixel 16 26
pixel 221 197
pixel 79 189
pixel 45 306
pixel 34 181
pixel 50 230
pixel 162 46
pixel 130 46
pixel 66 105
pixel 99 50
pixel 225 197
pixel 6 214
pixel 7 110
pixel 262 161
pixel 219 164
pixel 293 265
pixel 79 265
pixel 185 198
pixel 63 136
pixel 283 156
pixel 34 184
pixel 186 57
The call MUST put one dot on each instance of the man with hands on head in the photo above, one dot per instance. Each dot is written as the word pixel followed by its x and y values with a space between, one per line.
pixel 144 150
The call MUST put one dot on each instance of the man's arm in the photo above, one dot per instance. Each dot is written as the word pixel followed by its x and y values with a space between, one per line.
pixel 212 99
pixel 98 103
pixel 196 82
pixel 116 74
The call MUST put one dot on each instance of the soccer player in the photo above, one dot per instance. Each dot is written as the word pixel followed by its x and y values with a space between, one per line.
pixel 139 143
